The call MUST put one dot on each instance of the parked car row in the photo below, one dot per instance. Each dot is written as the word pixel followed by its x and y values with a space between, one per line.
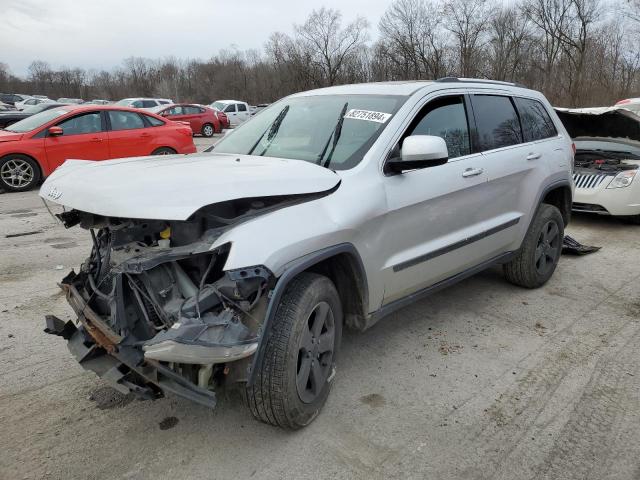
pixel 32 148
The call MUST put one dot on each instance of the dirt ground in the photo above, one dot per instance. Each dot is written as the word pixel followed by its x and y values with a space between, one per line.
pixel 483 380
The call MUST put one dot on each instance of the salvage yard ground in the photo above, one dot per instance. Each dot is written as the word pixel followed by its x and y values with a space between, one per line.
pixel 483 380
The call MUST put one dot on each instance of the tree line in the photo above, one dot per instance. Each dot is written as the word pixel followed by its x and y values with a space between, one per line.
pixel 578 52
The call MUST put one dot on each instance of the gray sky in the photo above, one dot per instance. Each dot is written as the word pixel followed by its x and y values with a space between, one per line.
pixel 100 33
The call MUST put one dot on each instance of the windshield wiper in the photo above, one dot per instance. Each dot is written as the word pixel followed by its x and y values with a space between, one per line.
pixel 337 131
pixel 272 131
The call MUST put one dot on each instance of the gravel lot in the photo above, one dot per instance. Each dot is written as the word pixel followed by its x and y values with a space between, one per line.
pixel 483 380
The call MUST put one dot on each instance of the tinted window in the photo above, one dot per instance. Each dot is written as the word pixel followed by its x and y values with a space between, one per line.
pixel 125 120
pixel 446 118
pixel 164 102
pixel 149 104
pixel 497 122
pixel 536 122
pixel 242 107
pixel 191 110
pixel 155 122
pixel 86 123
pixel 230 108
pixel 174 111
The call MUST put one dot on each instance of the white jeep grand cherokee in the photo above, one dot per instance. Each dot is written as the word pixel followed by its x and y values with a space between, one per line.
pixel 331 209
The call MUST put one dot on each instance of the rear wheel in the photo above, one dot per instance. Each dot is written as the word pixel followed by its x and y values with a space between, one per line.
pixel 18 173
pixel 538 257
pixel 163 151
pixel 294 380
pixel 207 130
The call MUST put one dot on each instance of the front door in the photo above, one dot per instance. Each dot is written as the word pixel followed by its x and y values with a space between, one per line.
pixel 232 114
pixel 83 137
pixel 437 224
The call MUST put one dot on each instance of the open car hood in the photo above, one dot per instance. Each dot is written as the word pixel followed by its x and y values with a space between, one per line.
pixel 600 122
pixel 173 187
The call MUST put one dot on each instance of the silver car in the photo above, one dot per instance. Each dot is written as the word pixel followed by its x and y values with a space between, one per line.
pixel 240 267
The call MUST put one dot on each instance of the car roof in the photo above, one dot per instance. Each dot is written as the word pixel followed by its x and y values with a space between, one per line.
pixel 86 108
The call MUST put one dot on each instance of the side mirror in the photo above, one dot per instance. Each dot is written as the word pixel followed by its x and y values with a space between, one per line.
pixel 419 151
pixel 55 131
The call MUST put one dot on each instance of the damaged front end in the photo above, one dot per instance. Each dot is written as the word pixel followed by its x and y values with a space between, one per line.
pixel 156 311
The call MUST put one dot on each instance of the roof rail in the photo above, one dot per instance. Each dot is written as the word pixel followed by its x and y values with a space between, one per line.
pixel 478 80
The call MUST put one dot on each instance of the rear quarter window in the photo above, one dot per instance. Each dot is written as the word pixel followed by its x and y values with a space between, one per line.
pixel 153 121
pixel 497 122
pixel 536 122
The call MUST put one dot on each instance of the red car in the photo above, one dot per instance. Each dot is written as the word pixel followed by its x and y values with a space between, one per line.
pixel 34 147
pixel 203 120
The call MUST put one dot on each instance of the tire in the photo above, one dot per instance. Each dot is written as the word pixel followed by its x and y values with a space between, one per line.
pixel 19 173
pixel 294 380
pixel 164 151
pixel 208 130
pixel 538 256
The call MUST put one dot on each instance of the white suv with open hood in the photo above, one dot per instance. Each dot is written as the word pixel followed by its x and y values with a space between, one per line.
pixel 331 209
pixel 607 160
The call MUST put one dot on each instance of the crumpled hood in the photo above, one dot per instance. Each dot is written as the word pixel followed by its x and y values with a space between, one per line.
pixel 600 122
pixel 173 187
pixel 9 136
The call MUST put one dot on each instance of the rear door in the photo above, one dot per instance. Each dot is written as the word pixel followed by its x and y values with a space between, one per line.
pixel 231 113
pixel 128 136
pixel 515 169
pixel 194 116
pixel 84 137
pixel 243 112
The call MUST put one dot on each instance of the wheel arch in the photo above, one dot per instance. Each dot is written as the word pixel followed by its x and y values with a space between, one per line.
pixel 343 266
pixel 560 196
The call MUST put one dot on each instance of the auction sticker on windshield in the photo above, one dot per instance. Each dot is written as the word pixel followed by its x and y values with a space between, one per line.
pixel 379 117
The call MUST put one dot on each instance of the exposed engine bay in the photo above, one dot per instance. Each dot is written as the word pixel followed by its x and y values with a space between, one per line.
pixel 605 161
pixel 157 312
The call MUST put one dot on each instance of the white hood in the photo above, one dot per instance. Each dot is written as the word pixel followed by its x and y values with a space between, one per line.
pixel 173 187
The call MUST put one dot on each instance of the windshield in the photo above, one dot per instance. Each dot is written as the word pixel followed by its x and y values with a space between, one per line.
pixel 36 121
pixel 218 105
pixel 334 131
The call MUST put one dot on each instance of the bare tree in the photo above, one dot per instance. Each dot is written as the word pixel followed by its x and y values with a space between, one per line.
pixel 468 21
pixel 413 38
pixel 327 44
pixel 510 44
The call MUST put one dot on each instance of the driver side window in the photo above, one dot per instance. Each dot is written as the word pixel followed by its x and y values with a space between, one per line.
pixel 81 124
pixel 447 118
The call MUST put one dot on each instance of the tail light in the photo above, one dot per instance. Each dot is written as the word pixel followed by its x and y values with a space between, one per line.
pixel 573 148
pixel 622 102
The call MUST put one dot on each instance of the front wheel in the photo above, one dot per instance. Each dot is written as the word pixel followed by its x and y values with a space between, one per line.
pixel 538 257
pixel 18 173
pixel 163 151
pixel 294 380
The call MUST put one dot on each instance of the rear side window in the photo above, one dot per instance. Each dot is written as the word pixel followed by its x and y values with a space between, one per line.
pixel 155 122
pixel 497 122
pixel 125 120
pixel 536 122
pixel 445 118
pixel 149 104
pixel 242 107
pixel 191 110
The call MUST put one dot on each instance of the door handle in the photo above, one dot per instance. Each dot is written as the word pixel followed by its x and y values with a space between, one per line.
pixel 472 172
pixel 96 139
pixel 144 135
pixel 534 156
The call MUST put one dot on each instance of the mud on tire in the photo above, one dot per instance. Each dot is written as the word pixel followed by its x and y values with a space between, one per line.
pixel 306 330
pixel 538 256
